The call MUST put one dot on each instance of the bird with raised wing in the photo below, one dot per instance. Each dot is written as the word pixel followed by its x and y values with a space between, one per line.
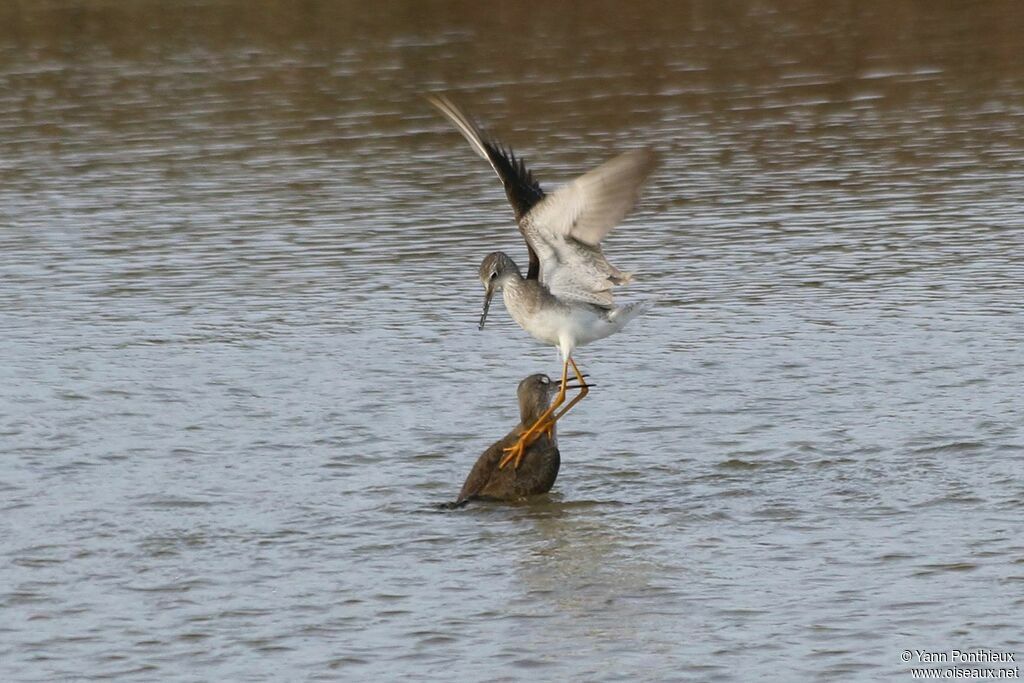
pixel 565 299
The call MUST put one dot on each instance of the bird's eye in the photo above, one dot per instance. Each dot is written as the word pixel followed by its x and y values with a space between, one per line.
pixel 494 274
pixel 544 380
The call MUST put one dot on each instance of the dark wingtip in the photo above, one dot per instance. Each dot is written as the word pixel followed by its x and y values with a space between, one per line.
pixel 522 190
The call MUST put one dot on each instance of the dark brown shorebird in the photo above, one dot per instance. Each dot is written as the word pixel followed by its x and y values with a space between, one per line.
pixel 565 298
pixel 489 481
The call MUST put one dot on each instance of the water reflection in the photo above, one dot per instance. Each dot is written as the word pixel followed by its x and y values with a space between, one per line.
pixel 588 580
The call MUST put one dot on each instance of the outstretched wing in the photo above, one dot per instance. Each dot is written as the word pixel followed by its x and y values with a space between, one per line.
pixel 589 207
pixel 522 190
pixel 567 227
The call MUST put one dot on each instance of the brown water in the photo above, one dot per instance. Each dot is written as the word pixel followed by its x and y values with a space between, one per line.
pixel 240 361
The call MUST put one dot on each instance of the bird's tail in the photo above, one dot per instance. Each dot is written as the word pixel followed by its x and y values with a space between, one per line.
pixel 619 277
pixel 623 314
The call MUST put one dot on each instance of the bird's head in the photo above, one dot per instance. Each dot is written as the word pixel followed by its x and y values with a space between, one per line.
pixel 495 270
pixel 535 393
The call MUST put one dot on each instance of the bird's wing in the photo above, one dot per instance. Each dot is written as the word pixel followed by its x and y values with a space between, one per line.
pixel 481 473
pixel 581 285
pixel 566 228
pixel 589 207
pixel 522 190
pixel 486 467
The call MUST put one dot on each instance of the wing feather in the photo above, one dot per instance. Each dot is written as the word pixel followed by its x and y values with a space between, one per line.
pixel 522 190
pixel 590 206
pixel 567 226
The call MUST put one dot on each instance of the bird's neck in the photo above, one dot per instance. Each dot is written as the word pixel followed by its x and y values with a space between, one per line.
pixel 510 277
pixel 530 412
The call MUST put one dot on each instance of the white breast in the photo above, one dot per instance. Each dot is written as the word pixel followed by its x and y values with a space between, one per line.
pixel 559 325
pixel 542 322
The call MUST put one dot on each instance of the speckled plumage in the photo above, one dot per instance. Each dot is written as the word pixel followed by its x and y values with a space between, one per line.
pixel 550 319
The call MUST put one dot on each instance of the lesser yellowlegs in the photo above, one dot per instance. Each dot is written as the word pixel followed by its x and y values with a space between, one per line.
pixel 565 299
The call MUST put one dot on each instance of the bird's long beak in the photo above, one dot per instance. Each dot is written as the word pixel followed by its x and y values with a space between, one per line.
pixel 487 305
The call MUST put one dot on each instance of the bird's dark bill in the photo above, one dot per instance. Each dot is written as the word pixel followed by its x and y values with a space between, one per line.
pixel 487 306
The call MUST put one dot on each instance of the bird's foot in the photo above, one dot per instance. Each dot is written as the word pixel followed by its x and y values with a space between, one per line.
pixel 515 453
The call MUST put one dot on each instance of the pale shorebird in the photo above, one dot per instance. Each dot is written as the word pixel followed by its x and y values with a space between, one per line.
pixel 488 480
pixel 565 299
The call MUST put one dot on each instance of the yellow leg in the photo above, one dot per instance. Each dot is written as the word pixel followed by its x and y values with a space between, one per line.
pixel 584 390
pixel 517 450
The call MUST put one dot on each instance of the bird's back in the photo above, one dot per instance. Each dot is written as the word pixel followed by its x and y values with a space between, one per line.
pixel 536 473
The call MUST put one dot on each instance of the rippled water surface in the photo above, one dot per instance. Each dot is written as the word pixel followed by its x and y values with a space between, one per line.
pixel 240 363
